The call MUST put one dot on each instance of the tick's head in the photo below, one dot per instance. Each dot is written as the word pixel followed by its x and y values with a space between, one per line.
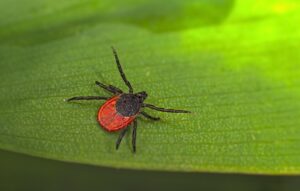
pixel 141 96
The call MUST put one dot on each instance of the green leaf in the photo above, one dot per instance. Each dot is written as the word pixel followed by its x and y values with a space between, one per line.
pixel 234 65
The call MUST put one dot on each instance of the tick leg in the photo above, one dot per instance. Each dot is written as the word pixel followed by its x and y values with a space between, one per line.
pixel 87 98
pixel 134 135
pixel 149 116
pixel 109 88
pixel 164 109
pixel 121 137
pixel 121 71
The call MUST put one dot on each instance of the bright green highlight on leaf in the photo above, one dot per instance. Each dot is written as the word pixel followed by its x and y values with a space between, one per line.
pixel 234 65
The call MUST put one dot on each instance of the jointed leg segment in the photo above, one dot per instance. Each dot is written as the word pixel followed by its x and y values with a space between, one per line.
pixel 87 98
pixel 134 135
pixel 149 116
pixel 109 88
pixel 134 128
pixel 164 109
pixel 121 71
pixel 121 137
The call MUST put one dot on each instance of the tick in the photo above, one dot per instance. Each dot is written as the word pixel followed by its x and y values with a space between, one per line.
pixel 121 110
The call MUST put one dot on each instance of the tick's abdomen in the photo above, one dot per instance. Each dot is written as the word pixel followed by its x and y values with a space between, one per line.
pixel 110 119
pixel 128 104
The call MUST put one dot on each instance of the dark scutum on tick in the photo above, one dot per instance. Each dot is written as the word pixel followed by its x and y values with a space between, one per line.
pixel 128 105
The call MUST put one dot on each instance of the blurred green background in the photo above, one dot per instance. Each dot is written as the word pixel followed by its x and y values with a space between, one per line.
pixel 236 61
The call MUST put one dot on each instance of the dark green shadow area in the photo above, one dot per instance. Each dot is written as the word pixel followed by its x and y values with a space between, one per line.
pixel 72 17
pixel 21 172
pixel 163 16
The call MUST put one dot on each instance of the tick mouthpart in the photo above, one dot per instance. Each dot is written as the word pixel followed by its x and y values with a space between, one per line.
pixel 142 95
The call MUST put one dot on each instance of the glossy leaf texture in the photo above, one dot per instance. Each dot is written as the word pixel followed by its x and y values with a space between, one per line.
pixel 234 64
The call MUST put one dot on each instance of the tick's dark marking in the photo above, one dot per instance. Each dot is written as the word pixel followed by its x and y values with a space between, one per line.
pixel 120 111
pixel 130 104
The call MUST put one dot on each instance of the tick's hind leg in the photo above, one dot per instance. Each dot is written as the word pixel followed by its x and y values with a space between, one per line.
pixel 149 116
pixel 87 98
pixel 121 137
pixel 134 135
pixel 109 88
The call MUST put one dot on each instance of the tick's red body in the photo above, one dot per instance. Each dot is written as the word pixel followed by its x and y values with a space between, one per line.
pixel 110 119
pixel 121 110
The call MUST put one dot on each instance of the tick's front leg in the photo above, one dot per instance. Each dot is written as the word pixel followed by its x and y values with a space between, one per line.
pixel 87 98
pixel 109 88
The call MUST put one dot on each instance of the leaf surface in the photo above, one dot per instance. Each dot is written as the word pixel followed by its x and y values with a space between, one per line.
pixel 235 66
